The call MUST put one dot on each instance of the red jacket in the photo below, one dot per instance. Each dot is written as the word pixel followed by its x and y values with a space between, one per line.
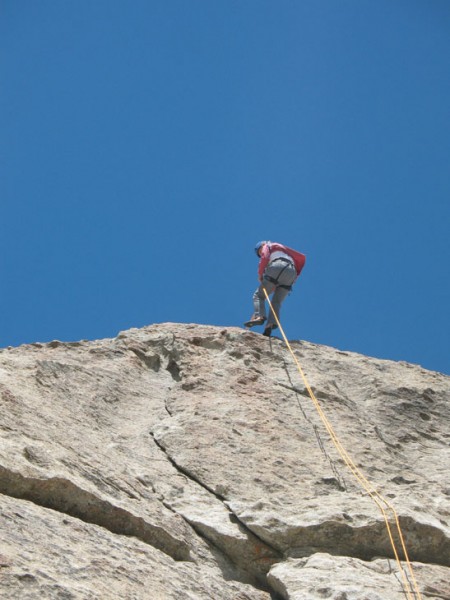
pixel 298 258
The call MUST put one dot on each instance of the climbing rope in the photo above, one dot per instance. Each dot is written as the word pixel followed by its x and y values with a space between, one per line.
pixel 378 499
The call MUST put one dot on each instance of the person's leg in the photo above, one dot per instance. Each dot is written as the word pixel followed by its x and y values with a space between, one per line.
pixel 277 299
pixel 285 276
pixel 259 298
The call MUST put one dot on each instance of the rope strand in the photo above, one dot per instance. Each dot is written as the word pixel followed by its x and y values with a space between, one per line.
pixel 360 477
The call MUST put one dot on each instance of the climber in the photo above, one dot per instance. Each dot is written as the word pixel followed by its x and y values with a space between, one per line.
pixel 278 268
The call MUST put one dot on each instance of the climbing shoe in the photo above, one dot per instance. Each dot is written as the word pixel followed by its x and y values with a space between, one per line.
pixel 254 321
pixel 268 329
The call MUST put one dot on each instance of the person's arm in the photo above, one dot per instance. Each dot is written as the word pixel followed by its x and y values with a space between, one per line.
pixel 265 255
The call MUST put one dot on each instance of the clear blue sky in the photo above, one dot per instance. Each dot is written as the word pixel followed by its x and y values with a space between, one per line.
pixel 147 145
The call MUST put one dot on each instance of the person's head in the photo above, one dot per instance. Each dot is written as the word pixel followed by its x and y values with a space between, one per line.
pixel 258 248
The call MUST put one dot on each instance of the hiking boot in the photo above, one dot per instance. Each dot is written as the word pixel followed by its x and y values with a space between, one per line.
pixel 255 320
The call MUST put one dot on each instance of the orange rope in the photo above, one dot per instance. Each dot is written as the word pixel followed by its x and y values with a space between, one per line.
pixel 366 485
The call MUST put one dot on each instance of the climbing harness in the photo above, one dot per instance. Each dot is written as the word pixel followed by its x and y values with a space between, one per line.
pixel 411 590
pixel 276 279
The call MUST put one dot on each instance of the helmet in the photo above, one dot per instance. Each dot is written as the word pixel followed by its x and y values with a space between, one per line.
pixel 258 247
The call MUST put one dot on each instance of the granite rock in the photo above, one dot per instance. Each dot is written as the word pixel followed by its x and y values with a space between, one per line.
pixel 188 461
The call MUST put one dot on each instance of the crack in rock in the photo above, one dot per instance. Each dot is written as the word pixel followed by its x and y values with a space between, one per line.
pixel 251 556
pixel 64 496
pixel 425 543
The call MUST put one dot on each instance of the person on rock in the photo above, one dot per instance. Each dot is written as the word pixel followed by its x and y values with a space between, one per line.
pixel 278 269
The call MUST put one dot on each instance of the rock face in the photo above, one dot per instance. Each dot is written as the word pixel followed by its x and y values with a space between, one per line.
pixel 188 462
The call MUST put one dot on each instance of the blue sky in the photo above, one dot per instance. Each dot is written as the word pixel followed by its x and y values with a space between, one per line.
pixel 148 145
